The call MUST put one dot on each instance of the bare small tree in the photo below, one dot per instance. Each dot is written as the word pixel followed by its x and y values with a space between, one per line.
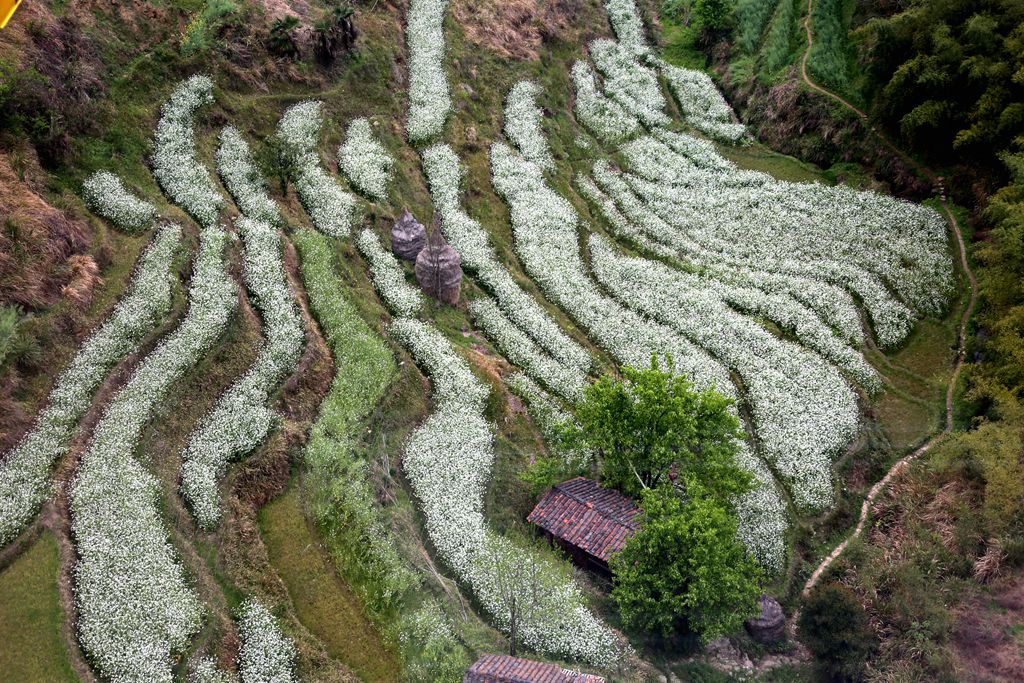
pixel 527 585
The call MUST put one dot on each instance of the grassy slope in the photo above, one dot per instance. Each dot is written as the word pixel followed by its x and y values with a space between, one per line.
pixel 31 616
pixel 324 604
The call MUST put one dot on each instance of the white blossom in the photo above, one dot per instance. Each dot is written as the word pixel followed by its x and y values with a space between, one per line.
pixel 605 118
pixel 891 254
pixel 332 209
pixel 803 410
pixel 630 83
pixel 751 292
pixel 365 161
pixel 523 124
pixel 468 237
pixel 243 180
pixel 429 96
pixel 518 348
pixel 388 277
pixel 627 24
pixel 241 419
pixel 185 180
pixel 135 607
pixel 702 104
pixel 545 230
pixel 204 670
pixel 107 196
pixel 25 470
pixel 448 461
pixel 266 655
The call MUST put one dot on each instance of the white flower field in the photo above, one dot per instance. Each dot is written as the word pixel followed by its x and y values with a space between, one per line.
pixel 644 241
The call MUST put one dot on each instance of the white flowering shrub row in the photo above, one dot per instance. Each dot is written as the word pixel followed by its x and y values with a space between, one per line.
pixel 891 254
pixel 627 24
pixel 762 518
pixel 523 124
pixel 520 350
pixel 702 104
pixel 185 180
pixel 388 277
pixel 204 670
pixel 243 180
pixel 630 83
pixel 332 209
pixel 747 293
pixel 468 237
pixel 107 196
pixel 135 607
pixel 24 472
pixel 831 303
pixel 803 410
pixel 605 118
pixel 241 419
pixel 429 96
pixel 550 418
pixel 448 461
pixel 266 654
pixel 365 161
pixel 545 229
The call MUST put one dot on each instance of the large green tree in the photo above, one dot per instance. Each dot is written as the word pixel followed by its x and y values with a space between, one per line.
pixel 685 567
pixel 653 422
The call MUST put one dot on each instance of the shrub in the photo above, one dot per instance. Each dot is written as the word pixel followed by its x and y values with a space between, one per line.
pixel 834 628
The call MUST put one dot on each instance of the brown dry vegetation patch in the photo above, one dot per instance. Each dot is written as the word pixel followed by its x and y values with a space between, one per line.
pixel 514 29
pixel 988 635
pixel 36 243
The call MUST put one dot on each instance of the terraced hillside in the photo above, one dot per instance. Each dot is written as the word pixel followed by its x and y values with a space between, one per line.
pixel 266 454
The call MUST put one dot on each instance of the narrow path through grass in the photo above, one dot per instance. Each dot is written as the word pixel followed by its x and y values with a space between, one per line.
pixel 961 330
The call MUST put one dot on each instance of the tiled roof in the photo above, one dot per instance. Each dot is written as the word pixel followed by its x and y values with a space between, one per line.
pixel 596 520
pixel 505 669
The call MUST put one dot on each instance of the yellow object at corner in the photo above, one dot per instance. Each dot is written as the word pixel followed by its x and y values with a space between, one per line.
pixel 7 8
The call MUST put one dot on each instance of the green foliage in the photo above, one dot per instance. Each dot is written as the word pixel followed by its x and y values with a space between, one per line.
pixel 751 18
pixel 777 51
pixel 204 27
pixel 10 321
pixel 341 499
pixel 654 422
pixel 992 450
pixel 333 32
pixel 834 628
pixel 31 617
pixel 949 74
pixel 685 567
pixel 713 15
pixel 281 40
pixel 830 57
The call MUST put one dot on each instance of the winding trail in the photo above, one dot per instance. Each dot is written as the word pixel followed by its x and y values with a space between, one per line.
pixel 954 225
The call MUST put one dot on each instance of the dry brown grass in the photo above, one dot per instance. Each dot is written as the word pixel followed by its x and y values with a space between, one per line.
pixel 36 243
pixel 514 29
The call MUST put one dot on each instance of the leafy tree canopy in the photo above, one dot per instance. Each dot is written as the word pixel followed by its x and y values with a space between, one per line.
pixel 654 422
pixel 685 567
pixel 949 74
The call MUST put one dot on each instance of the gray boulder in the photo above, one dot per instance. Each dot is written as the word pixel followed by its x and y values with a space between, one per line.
pixel 439 268
pixel 408 237
pixel 770 626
